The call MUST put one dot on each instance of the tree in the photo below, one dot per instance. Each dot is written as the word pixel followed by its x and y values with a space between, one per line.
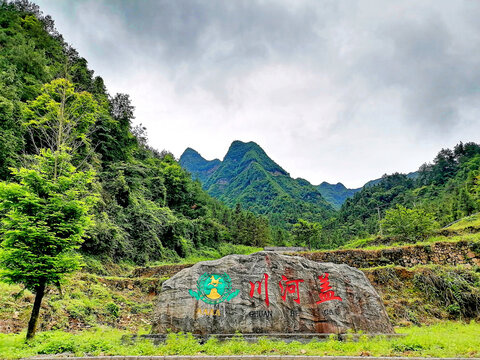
pixel 307 233
pixel 408 224
pixel 44 219
pixel 45 209
pixel 61 119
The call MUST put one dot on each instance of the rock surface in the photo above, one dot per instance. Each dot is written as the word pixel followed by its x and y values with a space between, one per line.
pixel 269 293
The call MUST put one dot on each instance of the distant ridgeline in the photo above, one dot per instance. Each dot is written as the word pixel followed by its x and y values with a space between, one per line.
pixel 448 188
pixel 336 194
pixel 247 176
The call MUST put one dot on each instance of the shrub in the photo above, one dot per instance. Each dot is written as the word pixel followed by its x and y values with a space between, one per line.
pixel 408 224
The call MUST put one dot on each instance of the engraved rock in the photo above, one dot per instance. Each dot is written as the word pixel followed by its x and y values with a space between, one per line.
pixel 269 293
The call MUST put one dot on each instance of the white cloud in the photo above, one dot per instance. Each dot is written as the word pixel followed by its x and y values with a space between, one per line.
pixel 332 90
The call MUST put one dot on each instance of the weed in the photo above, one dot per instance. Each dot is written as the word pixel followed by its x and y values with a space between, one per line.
pixel 113 309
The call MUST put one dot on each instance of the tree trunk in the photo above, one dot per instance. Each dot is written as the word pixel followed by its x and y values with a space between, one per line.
pixel 32 324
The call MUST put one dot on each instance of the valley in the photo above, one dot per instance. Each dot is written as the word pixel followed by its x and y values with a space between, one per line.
pixel 94 220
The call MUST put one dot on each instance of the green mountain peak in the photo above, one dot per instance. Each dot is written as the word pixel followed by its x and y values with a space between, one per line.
pixel 248 176
pixel 336 194
pixel 199 167
pixel 244 153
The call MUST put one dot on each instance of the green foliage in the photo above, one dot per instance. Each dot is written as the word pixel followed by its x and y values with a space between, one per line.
pixel 60 117
pixel 46 207
pixel 408 224
pixel 306 233
pixel 149 207
pixel 44 219
pixel 447 189
pixel 113 309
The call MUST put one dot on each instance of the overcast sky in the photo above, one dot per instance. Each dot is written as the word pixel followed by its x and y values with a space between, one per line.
pixel 337 91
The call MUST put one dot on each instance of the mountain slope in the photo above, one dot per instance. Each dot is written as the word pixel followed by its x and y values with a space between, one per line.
pixel 200 168
pixel 448 188
pixel 336 194
pixel 249 177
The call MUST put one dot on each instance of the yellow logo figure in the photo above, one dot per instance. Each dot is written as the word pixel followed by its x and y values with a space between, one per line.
pixel 214 295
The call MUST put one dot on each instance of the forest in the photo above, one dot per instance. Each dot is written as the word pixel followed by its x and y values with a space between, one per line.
pixel 448 189
pixel 148 208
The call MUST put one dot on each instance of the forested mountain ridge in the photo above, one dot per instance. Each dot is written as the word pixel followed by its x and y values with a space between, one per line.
pixel 247 176
pixel 149 208
pixel 199 168
pixel 447 188
pixel 336 194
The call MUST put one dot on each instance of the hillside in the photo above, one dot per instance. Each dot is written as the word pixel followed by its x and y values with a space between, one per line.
pixel 149 208
pixel 336 194
pixel 447 188
pixel 247 176
pixel 200 168
pixel 419 284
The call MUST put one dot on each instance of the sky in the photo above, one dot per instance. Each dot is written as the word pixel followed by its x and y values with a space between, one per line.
pixel 338 91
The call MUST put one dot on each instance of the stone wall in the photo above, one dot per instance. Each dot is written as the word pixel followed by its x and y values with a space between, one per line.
pixel 441 253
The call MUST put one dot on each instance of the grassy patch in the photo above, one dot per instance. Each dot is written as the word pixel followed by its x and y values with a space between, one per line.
pixel 375 243
pixel 448 339
pixel 86 301
pixel 471 222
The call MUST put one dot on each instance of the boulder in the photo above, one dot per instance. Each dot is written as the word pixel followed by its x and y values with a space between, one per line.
pixel 269 293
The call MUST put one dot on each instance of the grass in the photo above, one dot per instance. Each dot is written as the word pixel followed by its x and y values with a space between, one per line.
pixel 447 339
pixel 371 243
pixel 466 229
pixel 469 222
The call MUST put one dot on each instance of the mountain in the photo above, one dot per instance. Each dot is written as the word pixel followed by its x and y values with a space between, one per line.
pixel 200 168
pixel 336 194
pixel 249 177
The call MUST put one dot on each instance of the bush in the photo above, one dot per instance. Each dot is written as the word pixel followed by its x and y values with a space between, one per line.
pixel 408 224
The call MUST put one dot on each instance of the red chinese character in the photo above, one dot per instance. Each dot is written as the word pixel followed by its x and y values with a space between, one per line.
pixel 291 286
pixel 259 289
pixel 325 293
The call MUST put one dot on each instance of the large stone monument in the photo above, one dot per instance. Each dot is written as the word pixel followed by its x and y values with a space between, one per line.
pixel 269 293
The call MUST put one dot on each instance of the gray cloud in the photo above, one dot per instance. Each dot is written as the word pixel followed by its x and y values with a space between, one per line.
pixel 357 82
